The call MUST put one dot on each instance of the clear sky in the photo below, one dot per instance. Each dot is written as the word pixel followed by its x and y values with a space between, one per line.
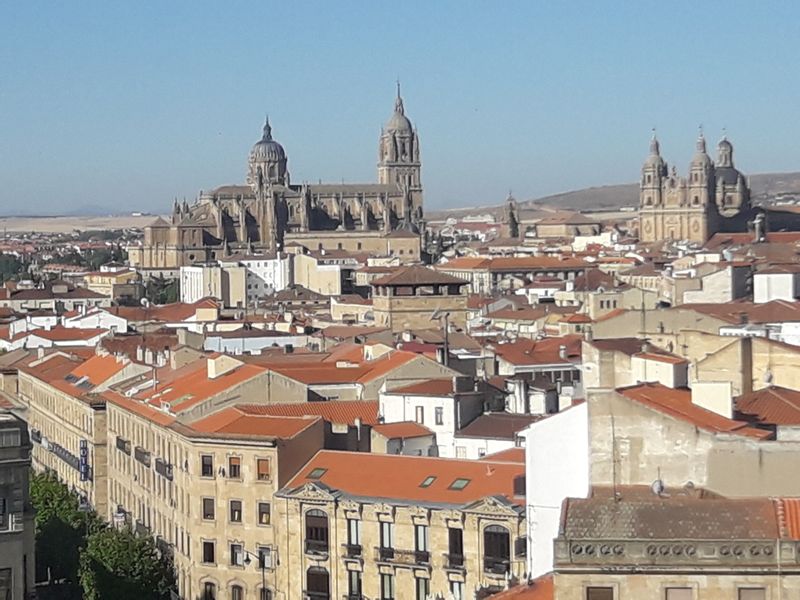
pixel 125 105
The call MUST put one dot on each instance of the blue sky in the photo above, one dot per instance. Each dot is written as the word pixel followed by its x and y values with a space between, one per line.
pixel 126 105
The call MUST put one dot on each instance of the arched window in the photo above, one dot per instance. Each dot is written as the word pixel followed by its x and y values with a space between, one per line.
pixel 496 549
pixel 316 532
pixel 209 591
pixel 237 592
pixel 317 584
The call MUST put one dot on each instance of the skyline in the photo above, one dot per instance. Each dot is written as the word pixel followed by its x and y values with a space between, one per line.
pixel 131 106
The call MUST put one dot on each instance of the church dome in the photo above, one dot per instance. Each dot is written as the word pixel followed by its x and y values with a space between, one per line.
pixel 267 148
pixel 654 158
pixel 701 157
pixel 398 122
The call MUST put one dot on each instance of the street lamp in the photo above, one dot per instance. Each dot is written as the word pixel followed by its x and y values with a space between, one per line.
pixel 265 593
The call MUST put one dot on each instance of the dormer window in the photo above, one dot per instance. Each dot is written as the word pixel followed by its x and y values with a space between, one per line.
pixel 459 484
pixel 427 481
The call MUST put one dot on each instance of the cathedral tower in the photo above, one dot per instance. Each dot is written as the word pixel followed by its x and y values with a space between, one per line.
pixel 398 150
pixel 267 163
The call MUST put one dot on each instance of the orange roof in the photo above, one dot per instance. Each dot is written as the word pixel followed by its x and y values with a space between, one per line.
pixel 512 455
pixel 333 411
pixel 541 588
pixel 63 334
pixel 329 373
pixel 429 387
pixel 192 385
pixel 235 421
pixel 365 475
pixel 546 351
pixel 402 430
pixel 665 358
pixel 774 405
pixel 139 408
pixel 678 404
pixel 788 510
pixel 464 263
pixel 99 368
pixel 525 263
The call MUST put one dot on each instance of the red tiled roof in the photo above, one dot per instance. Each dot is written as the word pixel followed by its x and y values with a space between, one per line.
pixel 464 263
pixel 539 352
pixel 774 405
pixel 417 275
pixel 678 404
pixel 539 589
pixel 235 421
pixel 665 358
pixel 429 387
pixel 333 411
pixel 512 455
pixel 365 475
pixel 402 430
pixel 63 334
pixel 788 510
pixel 99 368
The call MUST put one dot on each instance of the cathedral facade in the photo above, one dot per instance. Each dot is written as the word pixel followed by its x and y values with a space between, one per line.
pixel 269 211
pixel 713 197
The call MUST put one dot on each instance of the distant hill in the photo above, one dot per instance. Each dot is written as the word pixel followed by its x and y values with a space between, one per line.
pixel 610 197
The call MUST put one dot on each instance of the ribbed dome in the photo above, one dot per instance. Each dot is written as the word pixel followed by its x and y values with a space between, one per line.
pixel 701 157
pixel 398 121
pixel 267 148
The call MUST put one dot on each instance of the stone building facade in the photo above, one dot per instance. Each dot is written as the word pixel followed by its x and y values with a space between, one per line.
pixel 270 211
pixel 714 197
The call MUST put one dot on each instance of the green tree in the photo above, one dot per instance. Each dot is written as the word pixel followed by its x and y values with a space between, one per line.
pixel 119 564
pixel 61 532
pixel 160 290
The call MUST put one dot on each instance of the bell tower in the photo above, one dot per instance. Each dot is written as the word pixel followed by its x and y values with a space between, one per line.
pixel 398 150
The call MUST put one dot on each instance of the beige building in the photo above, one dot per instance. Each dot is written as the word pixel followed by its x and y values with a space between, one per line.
pixel 433 527
pixel 116 282
pixel 228 284
pixel 714 197
pixel 17 529
pixel 199 471
pixel 684 544
pixel 413 297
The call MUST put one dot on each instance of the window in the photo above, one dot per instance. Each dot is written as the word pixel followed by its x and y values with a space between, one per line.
pixel 387 535
pixel 521 546
pixel 519 485
pixel 208 509
pixel 679 593
pixel 455 548
pixel 263 469
pixel 423 586
pixel 316 532
pixel 236 511
pixel 266 594
pixel 354 584
pixel 263 513
pixel 234 467
pixel 208 553
pixel 387 586
pixel 599 593
pixel 459 484
pixel 207 468
pixel 496 549
pixel 316 473
pixel 461 452
pixel 422 555
pixel 237 555
pixel 353 537
pixel 264 557
pixel 317 583
pixel 420 414
pixel 439 415
pixel 427 481
pixel 237 593
pixel 752 593
pixel 209 591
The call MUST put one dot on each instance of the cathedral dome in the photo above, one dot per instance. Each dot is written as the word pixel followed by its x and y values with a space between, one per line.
pixel 398 122
pixel 701 157
pixel 267 148
pixel 654 159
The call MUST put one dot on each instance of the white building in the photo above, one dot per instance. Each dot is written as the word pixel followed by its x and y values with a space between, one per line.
pixel 266 273
pixel 211 280
pixel 778 282
pixel 557 467
pixel 95 318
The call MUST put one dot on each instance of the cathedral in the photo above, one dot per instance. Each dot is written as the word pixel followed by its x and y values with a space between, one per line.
pixel 714 197
pixel 270 211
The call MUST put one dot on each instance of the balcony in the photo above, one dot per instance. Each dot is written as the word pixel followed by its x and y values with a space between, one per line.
pixel 403 557
pixel 142 455
pixel 164 469
pixel 316 547
pixel 454 562
pixel 352 550
pixel 310 595
pixel 123 445
pixel 496 566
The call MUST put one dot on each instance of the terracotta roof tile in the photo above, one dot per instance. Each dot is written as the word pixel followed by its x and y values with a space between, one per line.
pixel 539 589
pixel 498 425
pixel 364 475
pixel 417 275
pixel 773 405
pixel 64 334
pixel 334 411
pixel 678 404
pixel 429 387
pixel 98 369
pixel 235 421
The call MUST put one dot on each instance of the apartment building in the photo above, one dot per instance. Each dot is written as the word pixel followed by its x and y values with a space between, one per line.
pixel 197 471
pixel 17 564
pixel 388 526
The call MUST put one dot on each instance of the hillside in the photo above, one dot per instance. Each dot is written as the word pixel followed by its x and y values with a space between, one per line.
pixel 764 186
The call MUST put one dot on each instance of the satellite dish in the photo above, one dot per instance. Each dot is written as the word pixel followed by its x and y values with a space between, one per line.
pixel 657 487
